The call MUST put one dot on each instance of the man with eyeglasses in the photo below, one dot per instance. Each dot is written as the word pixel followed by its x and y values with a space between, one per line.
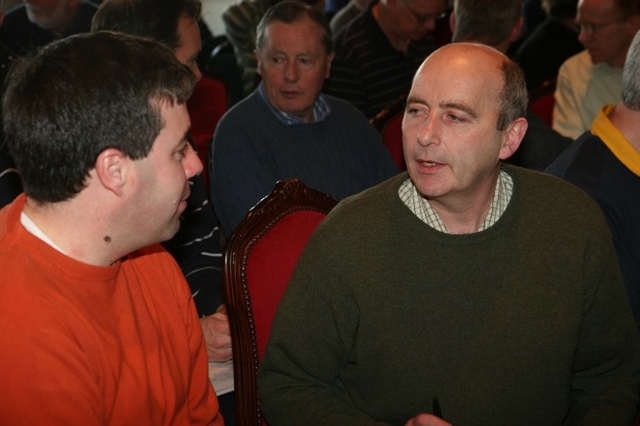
pixel 498 23
pixel 593 77
pixel 377 54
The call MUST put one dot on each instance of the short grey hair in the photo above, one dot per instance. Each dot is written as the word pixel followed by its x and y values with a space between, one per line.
pixel 291 11
pixel 631 76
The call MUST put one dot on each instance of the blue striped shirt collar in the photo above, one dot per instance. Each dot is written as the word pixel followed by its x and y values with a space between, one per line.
pixel 321 109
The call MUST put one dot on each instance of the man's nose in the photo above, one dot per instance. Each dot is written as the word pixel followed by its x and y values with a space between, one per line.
pixel 192 164
pixel 291 72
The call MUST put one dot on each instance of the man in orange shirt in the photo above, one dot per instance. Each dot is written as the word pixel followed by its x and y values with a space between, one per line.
pixel 98 322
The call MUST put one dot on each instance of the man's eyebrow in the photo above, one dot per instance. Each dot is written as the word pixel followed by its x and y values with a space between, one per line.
pixel 414 100
pixel 460 106
pixel 447 105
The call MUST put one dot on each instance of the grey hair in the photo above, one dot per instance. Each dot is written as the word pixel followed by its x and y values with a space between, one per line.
pixel 631 76
pixel 291 11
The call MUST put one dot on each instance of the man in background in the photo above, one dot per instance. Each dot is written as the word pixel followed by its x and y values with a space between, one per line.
pixel 605 163
pixel 377 53
pixel 551 43
pixel 197 245
pixel 241 21
pixel 497 23
pixel 287 128
pixel 97 319
pixel 36 23
pixel 593 78
pixel 347 14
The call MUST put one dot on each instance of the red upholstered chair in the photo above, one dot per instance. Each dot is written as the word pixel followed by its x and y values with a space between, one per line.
pixel 541 101
pixel 389 123
pixel 259 259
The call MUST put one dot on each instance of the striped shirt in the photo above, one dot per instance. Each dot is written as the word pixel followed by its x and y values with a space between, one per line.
pixel 367 71
pixel 321 110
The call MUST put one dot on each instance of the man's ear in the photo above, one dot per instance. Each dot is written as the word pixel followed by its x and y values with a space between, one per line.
pixel 512 136
pixel 111 170
pixel 329 62
pixel 256 53
pixel 517 30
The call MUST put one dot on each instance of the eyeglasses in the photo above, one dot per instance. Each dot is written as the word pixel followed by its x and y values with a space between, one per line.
pixel 425 17
pixel 594 28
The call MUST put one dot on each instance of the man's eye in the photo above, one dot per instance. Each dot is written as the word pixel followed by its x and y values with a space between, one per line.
pixel 415 111
pixel 182 152
pixel 455 118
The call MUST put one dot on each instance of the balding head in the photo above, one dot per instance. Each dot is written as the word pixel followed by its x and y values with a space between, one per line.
pixel 482 66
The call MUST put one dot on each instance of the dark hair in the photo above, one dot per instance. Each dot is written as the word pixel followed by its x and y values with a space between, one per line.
pixel 291 11
pixel 485 21
pixel 81 95
pixel 560 9
pixel 628 7
pixel 156 19
pixel 514 96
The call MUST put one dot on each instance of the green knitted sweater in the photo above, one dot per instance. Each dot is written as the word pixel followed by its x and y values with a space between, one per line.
pixel 525 323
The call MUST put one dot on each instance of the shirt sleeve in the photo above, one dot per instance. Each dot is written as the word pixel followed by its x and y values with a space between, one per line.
pixel 566 117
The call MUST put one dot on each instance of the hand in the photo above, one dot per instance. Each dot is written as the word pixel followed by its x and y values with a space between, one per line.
pixel 217 335
pixel 426 420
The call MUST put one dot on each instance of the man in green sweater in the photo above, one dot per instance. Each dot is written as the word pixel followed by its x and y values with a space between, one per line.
pixel 493 288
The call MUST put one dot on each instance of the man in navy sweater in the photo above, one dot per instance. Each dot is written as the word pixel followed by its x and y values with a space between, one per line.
pixel 287 128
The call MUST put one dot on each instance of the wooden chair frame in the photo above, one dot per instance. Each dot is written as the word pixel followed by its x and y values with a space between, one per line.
pixel 286 198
